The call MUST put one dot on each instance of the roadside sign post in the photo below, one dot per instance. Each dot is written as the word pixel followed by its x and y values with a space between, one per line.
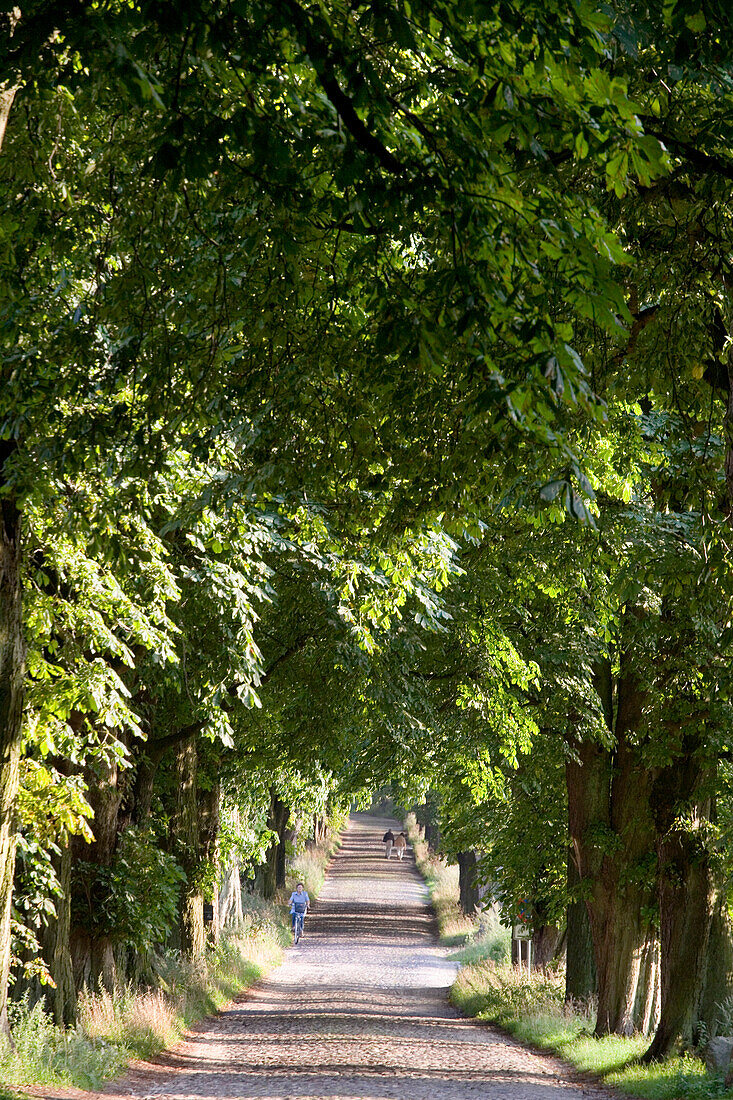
pixel 523 934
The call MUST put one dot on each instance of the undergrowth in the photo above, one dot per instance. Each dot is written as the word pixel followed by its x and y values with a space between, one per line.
pixel 115 1027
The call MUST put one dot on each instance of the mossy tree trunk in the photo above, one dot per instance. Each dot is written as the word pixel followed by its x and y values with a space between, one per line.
pixel 274 870
pixel 186 846
pixel 91 943
pixel 12 669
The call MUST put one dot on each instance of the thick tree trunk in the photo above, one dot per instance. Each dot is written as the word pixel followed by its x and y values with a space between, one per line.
pixel 56 950
pixel 717 985
pixel 186 846
pixel 545 941
pixel 92 948
pixel 581 980
pixel 685 912
pixel 12 668
pixel 612 838
pixel 144 786
pixel 274 870
pixel 618 921
pixel 467 887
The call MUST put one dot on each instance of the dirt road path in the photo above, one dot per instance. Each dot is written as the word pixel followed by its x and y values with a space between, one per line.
pixel 358 1010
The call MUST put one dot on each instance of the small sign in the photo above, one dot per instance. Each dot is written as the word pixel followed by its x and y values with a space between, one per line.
pixel 522 932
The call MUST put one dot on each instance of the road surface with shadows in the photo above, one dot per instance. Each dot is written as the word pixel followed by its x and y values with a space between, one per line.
pixel 358 1009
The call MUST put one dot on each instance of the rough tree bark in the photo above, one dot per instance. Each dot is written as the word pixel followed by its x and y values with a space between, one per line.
pixel 581 979
pixel 468 892
pixel 717 984
pixel 92 952
pixel 12 669
pixel 186 846
pixel 62 997
pixel 274 869
pixel 685 894
pixel 612 838
pixel 648 996
pixel 208 839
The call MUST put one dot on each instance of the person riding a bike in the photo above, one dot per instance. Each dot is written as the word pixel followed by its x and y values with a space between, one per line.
pixel 299 904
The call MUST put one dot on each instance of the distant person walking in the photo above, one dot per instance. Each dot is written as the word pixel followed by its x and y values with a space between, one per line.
pixel 388 841
pixel 400 843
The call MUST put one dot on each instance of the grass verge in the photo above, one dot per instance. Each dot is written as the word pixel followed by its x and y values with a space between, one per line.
pixel 114 1028
pixel 534 1011
pixel 475 938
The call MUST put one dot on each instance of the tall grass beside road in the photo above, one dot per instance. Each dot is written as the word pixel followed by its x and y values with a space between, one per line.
pixel 442 883
pixel 115 1027
pixel 477 937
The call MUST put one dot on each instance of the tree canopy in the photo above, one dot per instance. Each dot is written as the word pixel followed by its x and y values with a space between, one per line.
pixel 366 416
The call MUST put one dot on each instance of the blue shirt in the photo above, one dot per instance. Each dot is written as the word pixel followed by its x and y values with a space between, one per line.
pixel 300 901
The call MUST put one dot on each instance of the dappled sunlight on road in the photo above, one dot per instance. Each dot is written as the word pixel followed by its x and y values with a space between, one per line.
pixel 358 1009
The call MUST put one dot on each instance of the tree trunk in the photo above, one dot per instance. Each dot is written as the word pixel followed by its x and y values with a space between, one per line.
pixel 7 95
pixel 274 869
pixel 648 998
pixel 320 828
pixel 12 669
pixel 91 943
pixel 208 841
pixel 581 980
pixel 144 786
pixel 230 897
pixel 612 838
pixel 545 940
pixel 622 896
pixel 685 912
pixel 468 890
pixel 717 985
pixel 186 847
pixel 56 950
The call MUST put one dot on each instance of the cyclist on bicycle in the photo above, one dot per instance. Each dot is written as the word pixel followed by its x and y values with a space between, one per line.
pixel 299 905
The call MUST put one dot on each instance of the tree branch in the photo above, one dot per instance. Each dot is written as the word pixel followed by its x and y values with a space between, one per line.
pixel 324 66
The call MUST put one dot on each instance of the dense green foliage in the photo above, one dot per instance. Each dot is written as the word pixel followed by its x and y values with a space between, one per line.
pixel 366 415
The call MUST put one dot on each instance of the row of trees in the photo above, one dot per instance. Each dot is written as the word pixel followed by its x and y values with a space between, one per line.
pixel 366 413
pixel 626 625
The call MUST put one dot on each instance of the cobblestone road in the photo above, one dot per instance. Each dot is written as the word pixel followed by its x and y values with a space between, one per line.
pixel 357 1010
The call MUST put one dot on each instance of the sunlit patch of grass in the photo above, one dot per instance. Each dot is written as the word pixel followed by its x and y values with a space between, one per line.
pixel 682 1078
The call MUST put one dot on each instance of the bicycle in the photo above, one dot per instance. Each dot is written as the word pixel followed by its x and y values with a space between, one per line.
pixel 298 919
